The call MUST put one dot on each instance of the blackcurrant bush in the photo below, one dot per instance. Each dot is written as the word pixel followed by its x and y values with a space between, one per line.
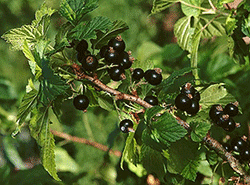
pixel 231 110
pixel 81 102
pixel 238 144
pixel 82 46
pixel 117 44
pixel 194 108
pixel 103 50
pixel 227 147
pixel 124 61
pixel 182 102
pixel 188 89
pixel 152 77
pixel 229 125
pixel 152 100
pixel 138 74
pixel 126 125
pixel 245 154
pixel 90 63
pixel 215 111
pixel 111 57
pixel 115 73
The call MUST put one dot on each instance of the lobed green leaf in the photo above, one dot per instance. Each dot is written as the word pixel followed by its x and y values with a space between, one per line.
pixel 199 130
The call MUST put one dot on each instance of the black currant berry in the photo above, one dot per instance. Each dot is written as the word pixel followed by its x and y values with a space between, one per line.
pixel 229 125
pixel 126 125
pixel 238 144
pixel 82 46
pixel 194 108
pixel 80 55
pixel 152 100
pixel 103 50
pixel 124 61
pixel 215 111
pixel 90 63
pixel 231 110
pixel 111 57
pixel 245 154
pixel 188 89
pixel 182 102
pixel 81 102
pixel 152 77
pixel 117 44
pixel 222 119
pixel 138 74
pixel 115 73
pixel 197 96
pixel 227 147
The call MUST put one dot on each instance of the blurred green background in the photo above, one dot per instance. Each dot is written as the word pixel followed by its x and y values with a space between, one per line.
pixel 149 37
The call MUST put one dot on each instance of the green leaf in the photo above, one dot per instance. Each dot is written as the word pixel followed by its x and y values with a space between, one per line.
pixel 188 8
pixel 230 24
pixel 106 102
pixel 51 85
pixel 40 131
pixel 31 33
pixel 184 159
pixel 153 161
pixel 103 38
pixel 160 5
pixel 87 30
pixel 199 130
pixel 162 129
pixel 7 90
pixel 246 26
pixel 215 94
pixel 75 10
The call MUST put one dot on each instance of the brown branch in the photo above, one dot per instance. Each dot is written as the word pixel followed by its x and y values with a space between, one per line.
pixel 87 142
pixel 214 144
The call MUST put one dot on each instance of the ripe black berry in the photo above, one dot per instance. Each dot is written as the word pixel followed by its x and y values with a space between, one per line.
pixel 197 96
pixel 152 100
pixel 124 61
pixel 126 125
pixel 229 125
pixel 222 119
pixel 138 74
pixel 188 89
pixel 103 50
pixel 231 109
pixel 227 147
pixel 245 154
pixel 111 57
pixel 82 46
pixel 152 77
pixel 215 111
pixel 194 108
pixel 238 144
pixel 81 102
pixel 182 102
pixel 90 63
pixel 117 44
pixel 115 73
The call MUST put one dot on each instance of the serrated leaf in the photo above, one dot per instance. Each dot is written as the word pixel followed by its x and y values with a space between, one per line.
pixel 246 26
pixel 51 85
pixel 161 130
pixel 106 103
pixel 103 38
pixel 215 94
pixel 189 7
pixel 184 158
pixel 75 10
pixel 230 24
pixel 87 30
pixel 199 130
pixel 160 5
pixel 151 112
pixel 31 33
pixel 40 131
pixel 153 161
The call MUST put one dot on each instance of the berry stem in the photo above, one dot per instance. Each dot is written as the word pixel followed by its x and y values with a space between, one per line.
pixel 85 141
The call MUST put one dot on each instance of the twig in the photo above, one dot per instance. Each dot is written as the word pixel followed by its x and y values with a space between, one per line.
pixel 85 141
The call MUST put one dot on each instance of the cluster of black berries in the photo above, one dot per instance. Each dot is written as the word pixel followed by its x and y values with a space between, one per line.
pixel 114 53
pixel 188 99
pixel 126 126
pixel 240 147
pixel 224 117
pixel 81 102
pixel 152 76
